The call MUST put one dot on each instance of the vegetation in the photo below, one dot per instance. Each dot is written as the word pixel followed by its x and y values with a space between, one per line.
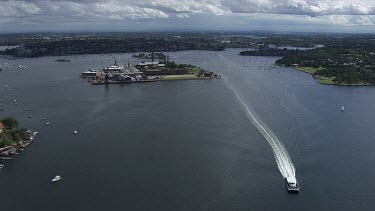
pixel 346 65
pixel 11 135
pixel 9 123
pixel 310 70
pixel 180 77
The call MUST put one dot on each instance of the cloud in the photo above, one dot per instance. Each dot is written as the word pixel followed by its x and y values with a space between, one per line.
pixel 163 8
pixel 341 12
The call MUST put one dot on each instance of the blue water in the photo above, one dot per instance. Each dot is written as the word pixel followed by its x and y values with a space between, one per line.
pixel 187 145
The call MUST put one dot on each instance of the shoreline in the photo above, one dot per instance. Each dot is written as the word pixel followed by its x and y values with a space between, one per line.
pixel 323 83
pixel 177 78
pixel 7 152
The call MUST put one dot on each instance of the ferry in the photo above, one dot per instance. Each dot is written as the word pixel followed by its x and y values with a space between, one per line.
pixel 292 185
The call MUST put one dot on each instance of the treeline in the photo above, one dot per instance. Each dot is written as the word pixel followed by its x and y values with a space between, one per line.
pixel 348 75
pixel 107 46
pixel 269 52
pixel 347 65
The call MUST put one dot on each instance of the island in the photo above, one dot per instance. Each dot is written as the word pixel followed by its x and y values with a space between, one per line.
pixel 147 71
pixel 13 139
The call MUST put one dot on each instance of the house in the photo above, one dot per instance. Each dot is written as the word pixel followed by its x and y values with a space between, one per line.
pixel 1 127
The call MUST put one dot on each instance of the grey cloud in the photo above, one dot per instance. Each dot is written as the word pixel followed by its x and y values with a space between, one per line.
pixel 73 12
pixel 162 8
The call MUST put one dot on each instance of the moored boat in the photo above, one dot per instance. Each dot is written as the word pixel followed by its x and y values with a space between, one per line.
pixel 56 179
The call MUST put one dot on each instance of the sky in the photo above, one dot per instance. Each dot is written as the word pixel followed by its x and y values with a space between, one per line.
pixel 350 16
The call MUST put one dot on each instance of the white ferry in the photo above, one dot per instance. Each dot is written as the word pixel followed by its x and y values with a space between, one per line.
pixel 292 185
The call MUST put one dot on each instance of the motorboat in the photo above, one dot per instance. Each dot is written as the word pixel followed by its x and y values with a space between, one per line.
pixel 292 185
pixel 1 166
pixel 56 179
pixel 342 108
pixel 75 132
pixel 47 123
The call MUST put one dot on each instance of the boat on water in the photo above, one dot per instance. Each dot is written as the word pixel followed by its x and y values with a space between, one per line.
pixel 56 179
pixel 62 60
pixel 47 123
pixel 1 166
pixel 75 132
pixel 292 185
pixel 342 108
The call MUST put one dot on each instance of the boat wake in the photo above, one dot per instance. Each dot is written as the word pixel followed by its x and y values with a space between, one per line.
pixel 281 155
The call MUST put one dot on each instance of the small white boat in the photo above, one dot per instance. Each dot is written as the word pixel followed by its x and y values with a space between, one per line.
pixel 1 166
pixel 56 179
pixel 44 118
pixel 342 108
pixel 75 132
pixel 47 123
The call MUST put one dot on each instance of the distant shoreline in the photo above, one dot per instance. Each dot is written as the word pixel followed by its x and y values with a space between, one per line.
pixel 324 80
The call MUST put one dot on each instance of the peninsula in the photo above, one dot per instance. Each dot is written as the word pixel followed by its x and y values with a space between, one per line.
pixel 341 61
pixel 12 138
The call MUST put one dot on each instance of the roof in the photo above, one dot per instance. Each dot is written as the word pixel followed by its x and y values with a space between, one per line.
pixel 89 72
pixel 148 63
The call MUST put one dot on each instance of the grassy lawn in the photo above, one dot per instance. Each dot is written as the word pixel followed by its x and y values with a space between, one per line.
pixel 327 80
pixel 180 77
pixel 310 70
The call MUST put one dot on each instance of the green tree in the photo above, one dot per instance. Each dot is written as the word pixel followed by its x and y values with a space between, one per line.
pixel 9 122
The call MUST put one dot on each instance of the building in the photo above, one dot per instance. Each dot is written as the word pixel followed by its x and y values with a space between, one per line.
pixel 149 64
pixel 90 74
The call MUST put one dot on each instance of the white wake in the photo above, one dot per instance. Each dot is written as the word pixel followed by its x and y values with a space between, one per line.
pixel 281 155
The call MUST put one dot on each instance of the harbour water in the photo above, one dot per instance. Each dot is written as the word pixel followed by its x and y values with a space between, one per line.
pixel 187 145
